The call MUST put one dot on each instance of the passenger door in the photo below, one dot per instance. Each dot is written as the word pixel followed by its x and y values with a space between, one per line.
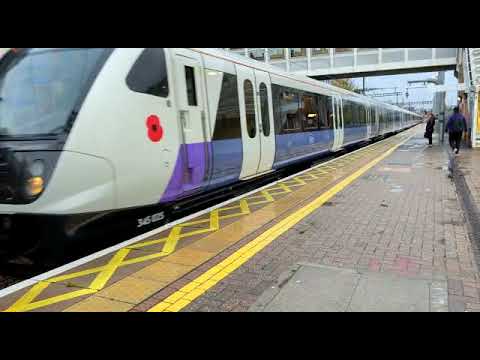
pixel 191 106
pixel 337 123
pixel 249 121
pixel 265 123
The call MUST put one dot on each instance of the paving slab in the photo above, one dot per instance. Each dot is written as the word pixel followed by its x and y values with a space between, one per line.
pixel 317 288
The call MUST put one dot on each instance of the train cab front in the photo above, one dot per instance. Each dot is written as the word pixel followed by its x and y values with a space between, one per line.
pixel 24 175
pixel 41 92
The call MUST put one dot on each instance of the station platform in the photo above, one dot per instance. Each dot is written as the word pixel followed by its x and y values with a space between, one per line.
pixel 378 229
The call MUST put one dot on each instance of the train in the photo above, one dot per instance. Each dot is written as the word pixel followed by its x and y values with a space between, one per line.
pixel 93 139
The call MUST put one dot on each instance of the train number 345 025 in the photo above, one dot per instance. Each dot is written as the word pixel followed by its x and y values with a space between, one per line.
pixel 151 219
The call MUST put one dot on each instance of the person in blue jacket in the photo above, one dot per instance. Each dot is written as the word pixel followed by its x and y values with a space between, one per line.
pixel 456 126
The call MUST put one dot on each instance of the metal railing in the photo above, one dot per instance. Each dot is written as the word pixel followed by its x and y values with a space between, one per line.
pixel 316 61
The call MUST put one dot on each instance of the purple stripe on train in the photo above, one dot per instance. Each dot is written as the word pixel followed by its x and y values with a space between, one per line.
pixel 190 170
pixel 204 166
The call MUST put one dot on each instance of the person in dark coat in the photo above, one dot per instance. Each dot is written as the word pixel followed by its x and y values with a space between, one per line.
pixel 456 126
pixel 430 128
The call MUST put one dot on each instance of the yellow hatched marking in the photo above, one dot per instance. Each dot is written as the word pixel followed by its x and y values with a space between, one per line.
pixel 285 188
pixel 329 167
pixel 214 220
pixel 230 208
pixel 27 303
pixel 196 222
pixel 105 275
pixel 296 181
pixel 75 275
pixel 308 176
pixel 252 197
pixel 141 259
pixel 28 297
pixel 147 243
pixel 342 163
pixel 265 196
pixel 244 210
pixel 320 171
pixel 237 259
pixel 275 190
pixel 192 233
pixel 57 299
pixel 172 240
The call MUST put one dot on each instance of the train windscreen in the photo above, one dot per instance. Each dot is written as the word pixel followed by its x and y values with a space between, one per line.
pixel 41 90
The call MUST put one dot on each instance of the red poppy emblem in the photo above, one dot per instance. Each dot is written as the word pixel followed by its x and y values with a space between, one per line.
pixel 155 130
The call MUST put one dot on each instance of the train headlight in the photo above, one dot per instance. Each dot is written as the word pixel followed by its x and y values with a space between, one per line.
pixel 34 186
pixel 28 175
pixel 35 183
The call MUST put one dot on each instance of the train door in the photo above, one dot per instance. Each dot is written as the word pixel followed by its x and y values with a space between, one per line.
pixel 337 123
pixel 265 125
pixel 249 121
pixel 191 105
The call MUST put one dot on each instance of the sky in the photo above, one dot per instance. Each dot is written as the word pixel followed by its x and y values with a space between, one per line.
pixel 401 82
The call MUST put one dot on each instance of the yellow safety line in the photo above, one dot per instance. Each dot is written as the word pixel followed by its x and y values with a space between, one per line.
pixel 183 297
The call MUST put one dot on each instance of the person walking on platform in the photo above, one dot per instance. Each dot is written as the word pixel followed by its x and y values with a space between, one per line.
pixel 430 128
pixel 456 126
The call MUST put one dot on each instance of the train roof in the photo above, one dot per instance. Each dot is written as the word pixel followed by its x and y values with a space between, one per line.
pixel 226 55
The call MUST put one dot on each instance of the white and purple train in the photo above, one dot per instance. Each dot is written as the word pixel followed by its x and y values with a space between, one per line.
pixel 90 136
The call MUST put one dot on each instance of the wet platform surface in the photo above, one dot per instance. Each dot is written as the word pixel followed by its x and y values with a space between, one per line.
pixel 389 208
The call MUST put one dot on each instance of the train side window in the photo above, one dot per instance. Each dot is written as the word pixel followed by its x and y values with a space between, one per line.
pixel 289 102
pixel 149 73
pixel 191 88
pixel 250 108
pixel 265 109
pixel 227 124
pixel 309 112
